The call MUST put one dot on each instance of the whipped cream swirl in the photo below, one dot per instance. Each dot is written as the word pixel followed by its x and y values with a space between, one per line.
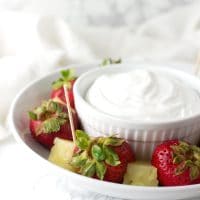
pixel 144 95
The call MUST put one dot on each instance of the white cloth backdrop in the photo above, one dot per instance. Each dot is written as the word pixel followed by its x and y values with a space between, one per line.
pixel 32 45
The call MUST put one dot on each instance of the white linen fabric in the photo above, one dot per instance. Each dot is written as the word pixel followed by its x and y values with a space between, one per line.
pixel 32 45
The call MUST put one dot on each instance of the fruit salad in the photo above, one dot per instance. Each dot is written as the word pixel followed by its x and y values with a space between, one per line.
pixel 112 159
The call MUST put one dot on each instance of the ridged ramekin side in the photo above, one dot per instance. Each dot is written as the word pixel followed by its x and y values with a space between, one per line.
pixel 143 141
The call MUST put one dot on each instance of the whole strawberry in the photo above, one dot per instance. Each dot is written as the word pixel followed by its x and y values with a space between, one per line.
pixel 177 163
pixel 50 120
pixel 68 78
pixel 104 158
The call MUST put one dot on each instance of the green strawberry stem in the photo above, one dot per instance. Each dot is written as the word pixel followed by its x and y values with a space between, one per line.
pixel 94 154
pixel 51 115
pixel 109 61
pixel 186 156
pixel 66 76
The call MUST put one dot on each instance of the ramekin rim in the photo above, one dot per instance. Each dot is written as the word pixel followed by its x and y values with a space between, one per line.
pixel 159 123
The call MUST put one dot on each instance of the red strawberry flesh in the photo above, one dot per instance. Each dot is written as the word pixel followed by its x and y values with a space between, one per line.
pixel 60 94
pixel 173 173
pixel 104 158
pixel 50 120
pixel 67 77
pixel 115 174
pixel 125 153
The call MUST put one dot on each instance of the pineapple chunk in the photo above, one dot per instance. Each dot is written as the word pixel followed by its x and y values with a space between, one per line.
pixel 141 173
pixel 61 153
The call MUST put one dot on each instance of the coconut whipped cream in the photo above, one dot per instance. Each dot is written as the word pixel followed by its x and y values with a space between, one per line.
pixel 144 95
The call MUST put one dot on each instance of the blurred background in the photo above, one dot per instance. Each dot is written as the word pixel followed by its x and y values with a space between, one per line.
pixel 38 36
pixel 113 13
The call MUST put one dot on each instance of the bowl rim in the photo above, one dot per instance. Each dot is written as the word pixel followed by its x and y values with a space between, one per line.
pixel 104 184
pixel 153 123
pixel 116 186
pixel 78 176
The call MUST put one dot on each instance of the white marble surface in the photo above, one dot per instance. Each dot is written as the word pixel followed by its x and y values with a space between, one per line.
pixel 102 12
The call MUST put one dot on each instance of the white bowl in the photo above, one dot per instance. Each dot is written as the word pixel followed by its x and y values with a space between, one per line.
pixel 142 135
pixel 30 97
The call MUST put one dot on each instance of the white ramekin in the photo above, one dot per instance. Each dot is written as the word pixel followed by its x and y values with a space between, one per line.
pixel 143 136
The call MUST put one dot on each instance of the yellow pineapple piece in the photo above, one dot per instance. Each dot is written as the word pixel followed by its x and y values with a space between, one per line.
pixel 141 173
pixel 61 153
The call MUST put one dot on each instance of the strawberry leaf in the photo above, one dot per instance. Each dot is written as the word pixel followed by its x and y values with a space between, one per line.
pixel 52 125
pixel 48 109
pixel 63 115
pixel 194 172
pixel 32 115
pixel 180 168
pixel 53 107
pixel 178 159
pixel 82 139
pixel 89 168
pixel 101 140
pixel 57 84
pixel 186 157
pixel 188 163
pixel 78 160
pixel 109 61
pixel 40 111
pixel 100 170
pixel 97 152
pixel 66 76
pixel 197 163
pixel 112 141
pixel 111 157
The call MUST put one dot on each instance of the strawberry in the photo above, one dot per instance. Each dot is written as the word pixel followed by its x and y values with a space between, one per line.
pixel 115 174
pixel 124 152
pixel 104 158
pixel 68 78
pixel 50 120
pixel 177 163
